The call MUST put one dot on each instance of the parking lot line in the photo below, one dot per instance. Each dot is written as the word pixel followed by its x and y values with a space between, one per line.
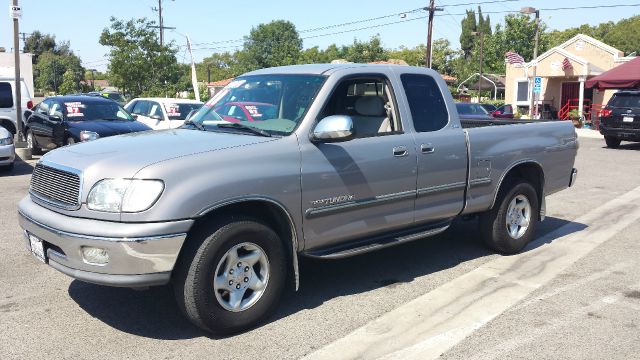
pixel 431 324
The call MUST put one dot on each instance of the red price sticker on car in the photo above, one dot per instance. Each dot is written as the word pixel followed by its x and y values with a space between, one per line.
pixel 173 110
pixel 74 109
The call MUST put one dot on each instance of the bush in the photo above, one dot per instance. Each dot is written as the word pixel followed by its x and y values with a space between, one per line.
pixel 496 103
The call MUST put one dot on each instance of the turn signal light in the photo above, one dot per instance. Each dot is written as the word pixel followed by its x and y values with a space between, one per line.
pixel 605 112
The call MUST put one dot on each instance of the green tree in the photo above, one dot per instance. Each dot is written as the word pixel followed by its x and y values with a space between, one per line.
pixel 467 39
pixel 38 43
pixel 413 56
pixel 365 51
pixel 221 66
pixel 138 64
pixel 51 68
pixel 274 44
pixel 69 84
pixel 443 56
pixel 625 35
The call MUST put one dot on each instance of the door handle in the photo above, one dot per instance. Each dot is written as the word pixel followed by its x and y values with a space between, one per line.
pixel 400 151
pixel 427 148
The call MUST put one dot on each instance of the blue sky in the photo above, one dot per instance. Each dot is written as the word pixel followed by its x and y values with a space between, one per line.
pixel 211 21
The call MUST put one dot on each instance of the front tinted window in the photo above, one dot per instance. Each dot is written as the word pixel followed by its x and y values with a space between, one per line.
pixel 156 110
pixel 141 108
pixel 88 111
pixel 427 105
pixel 6 95
pixel 625 101
pixel 288 98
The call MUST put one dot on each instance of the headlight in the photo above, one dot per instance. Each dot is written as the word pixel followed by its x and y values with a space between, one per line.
pixel 124 195
pixel 6 141
pixel 88 135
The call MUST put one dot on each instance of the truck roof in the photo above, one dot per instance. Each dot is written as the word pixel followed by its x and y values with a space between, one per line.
pixel 315 69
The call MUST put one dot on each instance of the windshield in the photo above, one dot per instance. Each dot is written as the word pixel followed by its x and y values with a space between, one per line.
pixel 177 111
pixel 471 109
pixel 87 111
pixel 274 103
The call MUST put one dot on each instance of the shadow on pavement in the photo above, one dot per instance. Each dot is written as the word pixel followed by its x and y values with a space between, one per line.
pixel 626 146
pixel 154 313
pixel 20 168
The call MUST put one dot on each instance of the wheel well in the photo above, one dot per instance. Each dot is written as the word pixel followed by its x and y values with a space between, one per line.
pixel 273 216
pixel 530 172
pixel 8 124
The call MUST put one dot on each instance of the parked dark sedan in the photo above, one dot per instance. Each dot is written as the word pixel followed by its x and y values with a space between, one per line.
pixel 472 111
pixel 64 120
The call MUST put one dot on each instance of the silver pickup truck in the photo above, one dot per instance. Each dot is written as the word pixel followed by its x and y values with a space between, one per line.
pixel 324 161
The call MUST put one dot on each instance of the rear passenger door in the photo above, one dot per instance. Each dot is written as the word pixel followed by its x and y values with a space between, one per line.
pixel 441 150
pixel 363 186
pixel 6 102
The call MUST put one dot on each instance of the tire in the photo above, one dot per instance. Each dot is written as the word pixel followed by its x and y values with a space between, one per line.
pixel 612 142
pixel 33 144
pixel 70 141
pixel 496 227
pixel 209 303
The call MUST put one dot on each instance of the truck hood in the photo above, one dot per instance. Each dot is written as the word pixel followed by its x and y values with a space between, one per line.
pixel 125 155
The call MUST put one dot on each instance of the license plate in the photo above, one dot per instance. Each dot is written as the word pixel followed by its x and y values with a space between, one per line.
pixel 37 248
pixel 627 119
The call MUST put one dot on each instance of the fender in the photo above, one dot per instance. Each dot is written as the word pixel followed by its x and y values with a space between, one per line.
pixel 294 233
pixel 511 167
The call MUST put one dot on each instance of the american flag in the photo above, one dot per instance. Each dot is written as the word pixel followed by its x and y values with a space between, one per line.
pixel 566 64
pixel 513 58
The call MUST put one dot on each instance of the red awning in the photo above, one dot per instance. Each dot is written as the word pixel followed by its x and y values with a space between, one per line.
pixel 625 76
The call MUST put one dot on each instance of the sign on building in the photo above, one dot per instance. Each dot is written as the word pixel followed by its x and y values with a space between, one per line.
pixel 537 85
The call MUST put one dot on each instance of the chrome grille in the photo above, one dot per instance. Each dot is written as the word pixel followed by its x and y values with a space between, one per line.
pixel 57 187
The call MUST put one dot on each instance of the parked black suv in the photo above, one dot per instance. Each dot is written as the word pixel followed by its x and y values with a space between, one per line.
pixel 620 119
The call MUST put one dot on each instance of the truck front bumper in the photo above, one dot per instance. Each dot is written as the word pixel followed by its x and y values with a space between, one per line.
pixel 139 254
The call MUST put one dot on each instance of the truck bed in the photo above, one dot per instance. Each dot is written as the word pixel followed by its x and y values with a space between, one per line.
pixel 474 123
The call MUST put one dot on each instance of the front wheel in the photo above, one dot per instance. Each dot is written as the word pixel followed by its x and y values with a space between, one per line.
pixel 612 142
pixel 511 224
pixel 230 275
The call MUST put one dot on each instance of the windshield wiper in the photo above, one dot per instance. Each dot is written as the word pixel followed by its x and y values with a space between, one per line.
pixel 197 125
pixel 245 127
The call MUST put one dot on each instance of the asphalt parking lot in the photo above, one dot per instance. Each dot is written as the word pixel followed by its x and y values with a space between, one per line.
pixel 589 310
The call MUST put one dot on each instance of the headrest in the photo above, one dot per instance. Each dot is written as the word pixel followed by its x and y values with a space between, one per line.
pixel 370 106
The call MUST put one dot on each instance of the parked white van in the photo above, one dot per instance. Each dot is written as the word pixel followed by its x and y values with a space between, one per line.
pixel 8 113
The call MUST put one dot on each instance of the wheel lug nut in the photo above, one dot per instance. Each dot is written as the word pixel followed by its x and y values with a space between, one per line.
pixel 231 271
pixel 239 264
pixel 230 282
pixel 246 269
pixel 238 286
pixel 246 279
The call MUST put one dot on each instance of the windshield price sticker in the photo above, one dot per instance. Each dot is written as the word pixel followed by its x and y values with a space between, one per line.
pixel 173 110
pixel 253 110
pixel 73 108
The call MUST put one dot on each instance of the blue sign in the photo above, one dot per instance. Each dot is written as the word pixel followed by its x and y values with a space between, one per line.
pixel 537 85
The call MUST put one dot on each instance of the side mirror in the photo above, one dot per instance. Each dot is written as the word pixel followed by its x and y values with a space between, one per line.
pixel 135 116
pixel 333 128
pixel 55 118
pixel 156 117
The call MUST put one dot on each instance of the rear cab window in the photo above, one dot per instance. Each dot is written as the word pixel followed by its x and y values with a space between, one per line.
pixel 427 105
pixel 625 100
pixel 6 95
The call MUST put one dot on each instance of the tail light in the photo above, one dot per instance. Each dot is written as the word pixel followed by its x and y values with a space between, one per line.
pixel 606 113
pixel 29 104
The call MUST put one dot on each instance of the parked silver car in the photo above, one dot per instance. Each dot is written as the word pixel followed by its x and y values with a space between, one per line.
pixel 353 158
pixel 7 149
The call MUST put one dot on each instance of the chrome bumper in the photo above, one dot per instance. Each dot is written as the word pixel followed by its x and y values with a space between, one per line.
pixel 574 175
pixel 140 254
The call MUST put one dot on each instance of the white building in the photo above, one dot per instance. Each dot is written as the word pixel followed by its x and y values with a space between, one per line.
pixel 7 68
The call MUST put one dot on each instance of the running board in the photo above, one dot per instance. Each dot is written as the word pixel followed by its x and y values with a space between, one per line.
pixel 377 243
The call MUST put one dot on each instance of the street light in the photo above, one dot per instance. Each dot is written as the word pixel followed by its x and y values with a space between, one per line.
pixel 531 10
pixel 481 34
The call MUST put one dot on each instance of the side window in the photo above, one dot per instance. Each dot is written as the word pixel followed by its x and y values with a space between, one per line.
pixel 141 108
pixel 369 102
pixel 428 108
pixel 156 110
pixel 55 110
pixel 6 95
pixel 129 107
pixel 43 108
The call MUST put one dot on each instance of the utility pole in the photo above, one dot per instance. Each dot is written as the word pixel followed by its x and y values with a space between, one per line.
pixel 431 9
pixel 160 26
pixel 481 34
pixel 24 38
pixel 208 73
pixel 532 102
pixel 21 148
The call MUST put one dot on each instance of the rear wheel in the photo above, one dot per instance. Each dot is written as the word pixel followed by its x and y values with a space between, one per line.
pixel 231 275
pixel 511 224
pixel 612 142
pixel 33 144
